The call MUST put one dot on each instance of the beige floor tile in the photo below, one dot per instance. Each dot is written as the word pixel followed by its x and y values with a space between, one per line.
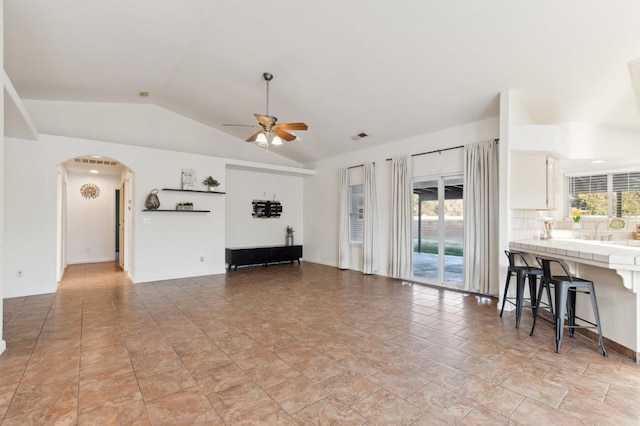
pixel 166 383
pixel 481 416
pixel 220 378
pixel 319 368
pixel 238 399
pixel 310 344
pixel 296 393
pixel 532 413
pixel 441 403
pixel 350 387
pixel 328 411
pixel 121 411
pixel 547 393
pixel 189 406
pixel 96 391
pixel 270 414
pixel 156 362
pixel 494 397
pixel 34 397
pixel 384 407
pixel 61 413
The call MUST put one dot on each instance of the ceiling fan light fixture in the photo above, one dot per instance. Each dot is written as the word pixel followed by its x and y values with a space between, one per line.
pixel 276 140
pixel 262 139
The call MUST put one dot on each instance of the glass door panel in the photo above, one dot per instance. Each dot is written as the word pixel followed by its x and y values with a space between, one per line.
pixel 426 234
pixel 438 230
pixel 453 230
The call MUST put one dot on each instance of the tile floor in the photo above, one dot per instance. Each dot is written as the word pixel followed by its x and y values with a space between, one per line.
pixel 292 344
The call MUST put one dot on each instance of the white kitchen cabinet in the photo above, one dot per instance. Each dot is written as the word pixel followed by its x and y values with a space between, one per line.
pixel 534 181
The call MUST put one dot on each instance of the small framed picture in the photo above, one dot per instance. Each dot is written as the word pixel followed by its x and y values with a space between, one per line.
pixel 188 179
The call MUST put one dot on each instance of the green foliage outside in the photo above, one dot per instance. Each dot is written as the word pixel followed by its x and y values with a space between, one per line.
pixel 452 249
pixel 597 204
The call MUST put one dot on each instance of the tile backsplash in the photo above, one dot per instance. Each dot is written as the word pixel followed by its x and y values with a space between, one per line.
pixel 528 224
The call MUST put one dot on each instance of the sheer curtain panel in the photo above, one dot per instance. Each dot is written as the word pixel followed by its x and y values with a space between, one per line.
pixel 481 217
pixel 370 219
pixel 402 220
pixel 343 224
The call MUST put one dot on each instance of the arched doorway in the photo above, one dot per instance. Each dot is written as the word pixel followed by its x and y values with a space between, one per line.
pixel 93 212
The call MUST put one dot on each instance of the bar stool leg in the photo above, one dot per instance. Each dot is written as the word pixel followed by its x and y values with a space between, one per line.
pixel 535 312
pixel 506 291
pixel 596 314
pixel 571 310
pixel 544 287
pixel 519 296
pixel 561 309
pixel 533 286
pixel 550 302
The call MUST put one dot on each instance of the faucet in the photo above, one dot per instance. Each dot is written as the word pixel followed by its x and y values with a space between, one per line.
pixel 606 222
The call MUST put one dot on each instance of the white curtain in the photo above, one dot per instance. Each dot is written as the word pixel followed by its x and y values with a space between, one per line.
pixel 370 222
pixel 343 220
pixel 402 220
pixel 481 217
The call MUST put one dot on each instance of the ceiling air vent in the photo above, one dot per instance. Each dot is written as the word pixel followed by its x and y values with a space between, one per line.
pixel 84 160
pixel 359 136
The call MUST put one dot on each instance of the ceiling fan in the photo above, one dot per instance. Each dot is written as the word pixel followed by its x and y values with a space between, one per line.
pixel 270 131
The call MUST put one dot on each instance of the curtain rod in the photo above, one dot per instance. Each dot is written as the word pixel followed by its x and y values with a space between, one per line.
pixel 359 165
pixel 440 150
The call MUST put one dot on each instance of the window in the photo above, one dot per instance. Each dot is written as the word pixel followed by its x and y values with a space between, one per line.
pixel 356 209
pixel 610 194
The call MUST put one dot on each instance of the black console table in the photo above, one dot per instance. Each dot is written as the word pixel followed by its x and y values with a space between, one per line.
pixel 262 255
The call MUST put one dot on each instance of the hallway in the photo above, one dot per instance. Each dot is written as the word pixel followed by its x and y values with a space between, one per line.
pixel 293 344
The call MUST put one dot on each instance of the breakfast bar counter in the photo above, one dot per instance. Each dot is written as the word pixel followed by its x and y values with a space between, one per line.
pixel 614 267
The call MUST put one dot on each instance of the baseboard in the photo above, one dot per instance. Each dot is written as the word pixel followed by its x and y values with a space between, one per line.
pixel 80 262
pixel 609 344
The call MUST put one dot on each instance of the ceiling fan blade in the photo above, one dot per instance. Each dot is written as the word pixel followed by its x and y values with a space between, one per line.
pixel 266 120
pixel 254 136
pixel 241 125
pixel 284 135
pixel 291 126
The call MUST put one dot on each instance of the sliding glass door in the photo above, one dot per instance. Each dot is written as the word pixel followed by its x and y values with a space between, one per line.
pixel 438 230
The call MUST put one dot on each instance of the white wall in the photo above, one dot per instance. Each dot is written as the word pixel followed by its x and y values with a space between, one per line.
pixel 3 344
pixel 170 246
pixel 143 125
pixel 321 190
pixel 91 221
pixel 244 186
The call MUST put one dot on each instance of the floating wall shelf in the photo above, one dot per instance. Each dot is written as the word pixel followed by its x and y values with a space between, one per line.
pixel 193 190
pixel 178 211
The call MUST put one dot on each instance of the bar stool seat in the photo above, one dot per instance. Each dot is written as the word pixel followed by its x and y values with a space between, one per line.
pixel 519 268
pixel 566 289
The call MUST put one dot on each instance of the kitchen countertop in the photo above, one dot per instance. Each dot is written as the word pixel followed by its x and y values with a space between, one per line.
pixel 614 255
pixel 598 260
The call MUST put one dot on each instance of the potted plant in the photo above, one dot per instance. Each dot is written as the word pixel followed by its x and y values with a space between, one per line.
pixel 211 183
pixel 576 215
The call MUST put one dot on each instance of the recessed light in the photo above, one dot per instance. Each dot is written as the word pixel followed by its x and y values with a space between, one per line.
pixel 597 161
pixel 144 94
pixel 93 171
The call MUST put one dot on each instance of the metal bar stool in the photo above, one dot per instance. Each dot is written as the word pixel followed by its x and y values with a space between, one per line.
pixel 566 289
pixel 519 267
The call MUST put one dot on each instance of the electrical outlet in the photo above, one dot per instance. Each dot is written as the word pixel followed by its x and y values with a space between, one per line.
pixel 146 220
pixel 201 258
pixel 19 273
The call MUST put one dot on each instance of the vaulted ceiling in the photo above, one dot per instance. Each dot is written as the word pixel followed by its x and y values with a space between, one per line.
pixel 390 69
